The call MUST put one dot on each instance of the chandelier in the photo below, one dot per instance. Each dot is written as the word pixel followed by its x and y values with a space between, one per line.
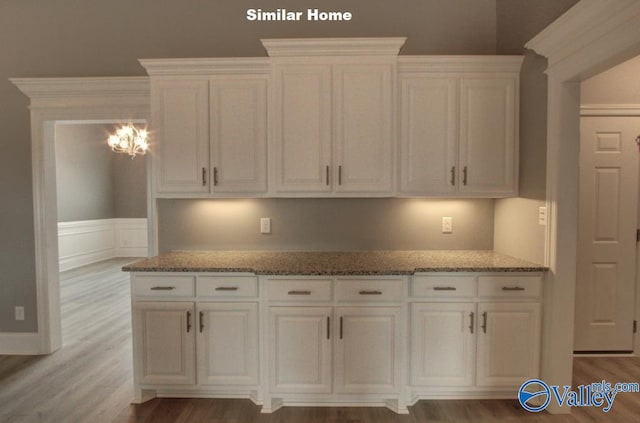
pixel 129 140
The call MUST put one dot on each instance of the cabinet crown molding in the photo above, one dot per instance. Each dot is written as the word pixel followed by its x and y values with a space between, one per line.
pixel 207 66
pixel 286 47
pixel 463 64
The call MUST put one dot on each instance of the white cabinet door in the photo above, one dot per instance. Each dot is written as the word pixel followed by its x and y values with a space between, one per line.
pixel 367 349
pixel 488 135
pixel 180 135
pixel 300 349
pixel 164 337
pixel 364 128
pixel 238 119
pixel 227 343
pixel 429 135
pixel 442 344
pixel 508 343
pixel 302 129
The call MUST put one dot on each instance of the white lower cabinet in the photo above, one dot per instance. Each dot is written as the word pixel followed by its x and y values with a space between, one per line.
pixel 164 337
pixel 487 343
pixel 227 347
pixel 300 349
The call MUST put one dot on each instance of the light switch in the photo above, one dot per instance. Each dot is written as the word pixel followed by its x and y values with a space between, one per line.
pixel 542 216
pixel 447 225
pixel 265 225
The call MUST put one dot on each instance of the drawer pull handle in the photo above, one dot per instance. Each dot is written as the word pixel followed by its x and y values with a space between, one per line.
pixel 201 321
pixel 370 292
pixel 512 288
pixel 299 292
pixel 340 327
pixel 163 288
pixel 226 288
pixel 328 327
pixel 188 321
pixel 484 322
pixel 471 316
pixel 445 288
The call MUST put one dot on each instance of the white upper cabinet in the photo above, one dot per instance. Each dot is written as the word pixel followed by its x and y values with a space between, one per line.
pixel 459 126
pixel 303 128
pixel 180 135
pixel 238 121
pixel 333 114
pixel 209 126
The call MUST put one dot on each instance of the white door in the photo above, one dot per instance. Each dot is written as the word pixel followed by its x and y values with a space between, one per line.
pixel 238 110
pixel 608 207
pixel 227 343
pixel 164 336
pixel 364 128
pixel 488 134
pixel 300 349
pixel 508 343
pixel 302 128
pixel 443 344
pixel 367 349
pixel 429 135
pixel 180 135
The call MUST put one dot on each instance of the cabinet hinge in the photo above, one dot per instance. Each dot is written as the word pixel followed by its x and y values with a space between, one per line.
pixel 635 326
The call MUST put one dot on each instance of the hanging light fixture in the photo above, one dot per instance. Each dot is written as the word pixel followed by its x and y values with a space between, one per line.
pixel 129 140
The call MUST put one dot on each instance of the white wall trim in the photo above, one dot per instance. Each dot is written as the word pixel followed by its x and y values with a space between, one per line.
pixel 589 38
pixel 88 241
pixel 282 47
pixel 20 343
pixel 610 110
pixel 68 99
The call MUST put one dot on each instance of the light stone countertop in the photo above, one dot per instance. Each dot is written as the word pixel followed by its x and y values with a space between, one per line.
pixel 334 263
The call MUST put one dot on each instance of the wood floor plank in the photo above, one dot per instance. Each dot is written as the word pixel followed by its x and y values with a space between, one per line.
pixel 90 378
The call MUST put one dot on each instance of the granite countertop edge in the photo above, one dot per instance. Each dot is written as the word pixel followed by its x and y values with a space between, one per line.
pixel 309 263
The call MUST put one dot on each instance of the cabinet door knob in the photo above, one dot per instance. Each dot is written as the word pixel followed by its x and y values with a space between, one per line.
pixel 204 176
pixel 328 327
pixel 471 318
pixel 340 175
pixel 484 322
pixel 215 176
pixel 188 321
pixel 340 327
pixel 453 175
pixel 464 176
pixel 327 174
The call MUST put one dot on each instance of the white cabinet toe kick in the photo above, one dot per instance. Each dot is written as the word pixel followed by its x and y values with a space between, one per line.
pixel 384 341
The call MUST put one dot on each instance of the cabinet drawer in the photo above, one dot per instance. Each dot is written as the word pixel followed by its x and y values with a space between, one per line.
pixel 371 290
pixel 443 286
pixel 227 286
pixel 510 286
pixel 163 286
pixel 299 290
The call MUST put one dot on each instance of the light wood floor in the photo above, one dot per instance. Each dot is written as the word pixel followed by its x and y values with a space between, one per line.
pixel 89 379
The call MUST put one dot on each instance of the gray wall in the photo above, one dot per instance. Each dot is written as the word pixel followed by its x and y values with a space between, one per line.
pixel 92 181
pixel 618 85
pixel 516 219
pixel 84 173
pixel 69 38
pixel 324 224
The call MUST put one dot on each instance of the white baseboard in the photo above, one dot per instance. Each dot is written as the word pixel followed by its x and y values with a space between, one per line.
pixel 20 343
pixel 89 241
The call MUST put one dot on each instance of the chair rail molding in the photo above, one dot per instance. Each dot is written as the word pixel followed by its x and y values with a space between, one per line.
pixel 108 100
pixel 610 110
pixel 589 38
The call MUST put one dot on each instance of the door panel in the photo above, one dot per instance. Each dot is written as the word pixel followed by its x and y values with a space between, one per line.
pixel 605 285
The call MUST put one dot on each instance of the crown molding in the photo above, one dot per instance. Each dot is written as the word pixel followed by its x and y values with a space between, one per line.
pixel 207 66
pixel 610 110
pixel 464 64
pixel 585 29
pixel 63 92
pixel 287 47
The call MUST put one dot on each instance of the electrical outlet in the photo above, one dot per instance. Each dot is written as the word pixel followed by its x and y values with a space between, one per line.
pixel 265 225
pixel 19 311
pixel 447 225
pixel 542 216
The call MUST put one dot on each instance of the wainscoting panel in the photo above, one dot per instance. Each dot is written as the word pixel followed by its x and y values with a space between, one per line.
pixel 89 241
